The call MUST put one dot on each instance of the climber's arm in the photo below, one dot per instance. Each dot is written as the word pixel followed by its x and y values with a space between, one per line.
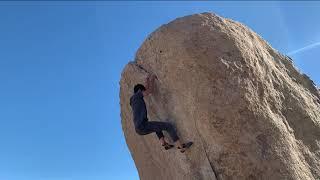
pixel 149 84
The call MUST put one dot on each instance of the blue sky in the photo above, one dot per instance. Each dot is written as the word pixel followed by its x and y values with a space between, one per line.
pixel 60 66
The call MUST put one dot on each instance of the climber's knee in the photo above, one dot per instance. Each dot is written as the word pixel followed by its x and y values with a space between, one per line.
pixel 140 132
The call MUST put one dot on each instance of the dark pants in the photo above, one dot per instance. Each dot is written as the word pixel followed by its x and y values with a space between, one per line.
pixel 157 127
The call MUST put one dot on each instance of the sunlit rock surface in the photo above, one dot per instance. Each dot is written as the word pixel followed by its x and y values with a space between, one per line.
pixel 249 112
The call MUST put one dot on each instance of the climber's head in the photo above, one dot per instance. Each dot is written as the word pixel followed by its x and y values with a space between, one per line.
pixel 137 87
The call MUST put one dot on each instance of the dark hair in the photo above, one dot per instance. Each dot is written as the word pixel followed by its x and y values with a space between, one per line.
pixel 137 87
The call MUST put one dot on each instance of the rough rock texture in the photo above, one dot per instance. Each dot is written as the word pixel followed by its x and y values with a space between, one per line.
pixel 251 114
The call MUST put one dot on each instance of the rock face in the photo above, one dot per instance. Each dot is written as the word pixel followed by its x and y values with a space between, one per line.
pixel 249 112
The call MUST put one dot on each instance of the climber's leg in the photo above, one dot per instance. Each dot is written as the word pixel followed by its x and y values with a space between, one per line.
pixel 158 127
pixel 146 129
pixel 160 135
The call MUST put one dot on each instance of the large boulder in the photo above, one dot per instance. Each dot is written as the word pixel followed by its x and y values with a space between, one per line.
pixel 250 113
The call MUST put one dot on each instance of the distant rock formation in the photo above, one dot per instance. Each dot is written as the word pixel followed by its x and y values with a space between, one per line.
pixel 248 110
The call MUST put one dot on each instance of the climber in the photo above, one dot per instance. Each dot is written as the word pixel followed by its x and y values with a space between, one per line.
pixel 141 123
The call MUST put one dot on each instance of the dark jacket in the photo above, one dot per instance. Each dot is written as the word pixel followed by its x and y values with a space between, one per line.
pixel 139 109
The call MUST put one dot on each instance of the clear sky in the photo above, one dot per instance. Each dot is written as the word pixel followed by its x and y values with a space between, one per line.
pixel 60 66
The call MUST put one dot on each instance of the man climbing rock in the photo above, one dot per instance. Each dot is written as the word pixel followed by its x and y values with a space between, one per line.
pixel 141 123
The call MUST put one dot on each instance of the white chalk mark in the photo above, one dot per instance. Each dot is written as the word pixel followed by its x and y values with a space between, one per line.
pixel 311 46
